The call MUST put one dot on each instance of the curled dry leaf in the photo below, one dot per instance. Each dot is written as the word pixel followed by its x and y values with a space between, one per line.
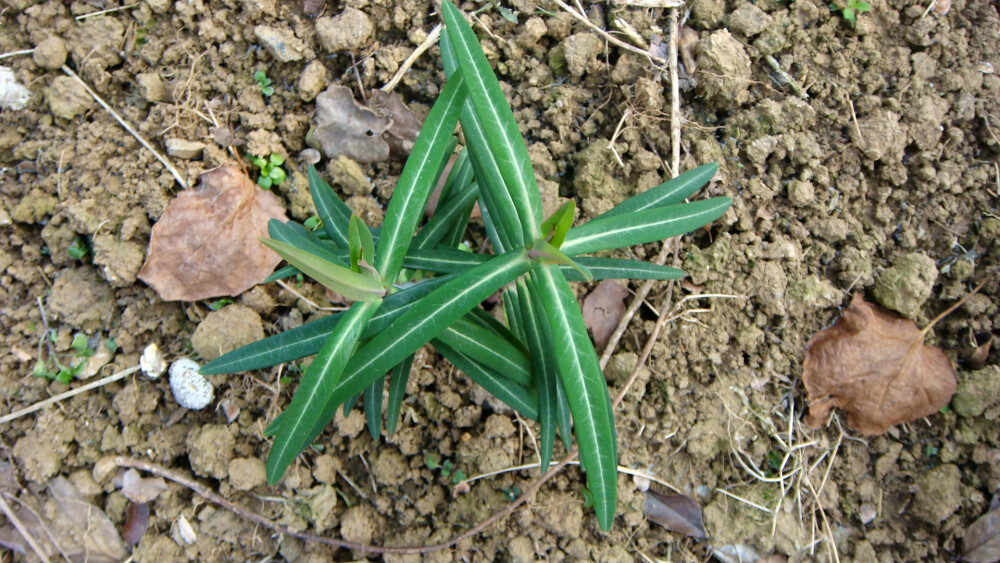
pixel 139 490
pixel 603 310
pixel 345 127
pixel 206 243
pixel 676 513
pixel 874 364
pixel 981 543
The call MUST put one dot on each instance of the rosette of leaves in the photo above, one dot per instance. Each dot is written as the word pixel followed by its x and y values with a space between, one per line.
pixel 541 361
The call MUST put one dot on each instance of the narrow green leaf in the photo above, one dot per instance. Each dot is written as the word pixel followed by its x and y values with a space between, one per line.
pixel 516 396
pixel 487 321
pixel 492 233
pixel 536 328
pixel 586 389
pixel 449 213
pixel 307 339
pixel 512 312
pixel 564 417
pixel 373 407
pixel 282 273
pixel 397 392
pixel 352 285
pixel 644 226
pixel 417 179
pixel 422 322
pixel 488 349
pixel 495 194
pixel 318 381
pixel 671 192
pixel 442 260
pixel 331 209
pixel 459 177
pixel 623 269
pixel 498 121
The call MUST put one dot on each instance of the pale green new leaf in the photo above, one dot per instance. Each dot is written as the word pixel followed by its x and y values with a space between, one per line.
pixel 352 285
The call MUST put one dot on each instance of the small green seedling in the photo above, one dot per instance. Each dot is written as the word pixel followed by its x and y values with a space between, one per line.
pixel 79 248
pixel 53 367
pixel 538 359
pixel 271 172
pixel 220 303
pixel 511 493
pixel 851 9
pixel 447 468
pixel 264 83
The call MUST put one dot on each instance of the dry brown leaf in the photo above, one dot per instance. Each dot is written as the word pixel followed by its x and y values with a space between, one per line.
pixel 676 513
pixel 874 364
pixel 82 531
pixel 136 522
pixel 603 310
pixel 345 127
pixel 981 543
pixel 206 243
pixel 404 124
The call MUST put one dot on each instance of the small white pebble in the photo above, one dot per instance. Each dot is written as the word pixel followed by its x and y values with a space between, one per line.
pixel 867 513
pixel 186 531
pixel 152 362
pixel 191 389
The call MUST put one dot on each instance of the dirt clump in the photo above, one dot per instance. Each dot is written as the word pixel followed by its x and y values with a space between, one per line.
pixel 225 330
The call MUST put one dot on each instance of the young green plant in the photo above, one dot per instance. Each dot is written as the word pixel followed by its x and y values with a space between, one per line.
pixel 540 361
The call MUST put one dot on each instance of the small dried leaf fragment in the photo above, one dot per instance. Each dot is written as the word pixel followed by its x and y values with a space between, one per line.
pixel 874 364
pixel 139 490
pixel 206 243
pixel 136 521
pixel 676 513
pixel 981 543
pixel 603 309
pixel 404 125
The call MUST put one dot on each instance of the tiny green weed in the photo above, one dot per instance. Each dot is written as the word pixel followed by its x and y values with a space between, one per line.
pixel 851 9
pixel 79 249
pixel 271 172
pixel 412 286
pixel 264 83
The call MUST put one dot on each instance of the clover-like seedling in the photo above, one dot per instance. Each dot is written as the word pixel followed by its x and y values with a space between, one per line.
pixel 409 290
pixel 264 83
pixel 271 172
pixel 851 9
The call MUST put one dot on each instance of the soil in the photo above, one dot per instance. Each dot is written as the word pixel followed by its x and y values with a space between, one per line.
pixel 884 180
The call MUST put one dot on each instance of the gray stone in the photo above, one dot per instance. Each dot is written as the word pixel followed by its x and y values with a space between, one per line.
pixel 349 31
pixel 907 284
pixel 281 43
pixel 182 148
